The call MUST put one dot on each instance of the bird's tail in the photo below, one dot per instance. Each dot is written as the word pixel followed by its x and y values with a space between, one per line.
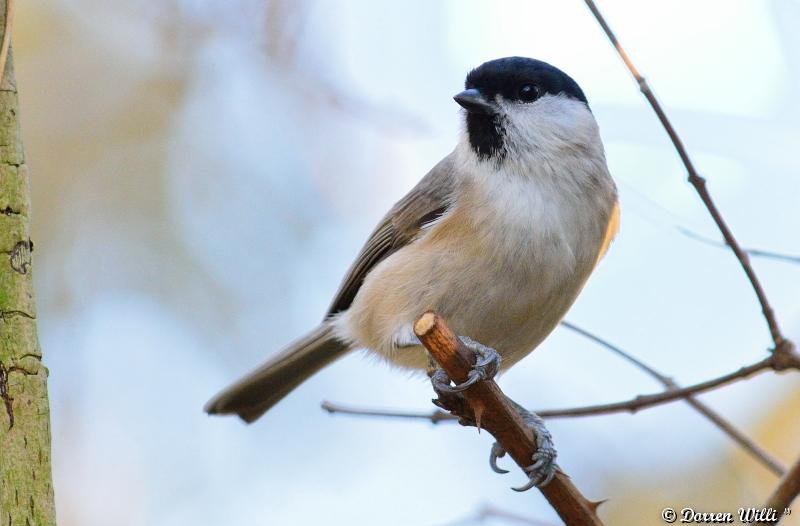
pixel 257 392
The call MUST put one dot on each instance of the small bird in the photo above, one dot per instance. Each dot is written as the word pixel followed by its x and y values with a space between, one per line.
pixel 498 238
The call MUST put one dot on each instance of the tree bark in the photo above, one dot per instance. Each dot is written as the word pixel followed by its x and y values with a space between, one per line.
pixel 26 489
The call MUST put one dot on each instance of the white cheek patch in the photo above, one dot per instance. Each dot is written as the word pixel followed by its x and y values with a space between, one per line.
pixel 550 122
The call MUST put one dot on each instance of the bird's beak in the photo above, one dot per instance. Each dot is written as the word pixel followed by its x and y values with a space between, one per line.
pixel 473 101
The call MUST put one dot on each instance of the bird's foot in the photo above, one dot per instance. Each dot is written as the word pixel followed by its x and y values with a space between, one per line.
pixel 455 403
pixel 450 397
pixel 544 466
pixel 485 368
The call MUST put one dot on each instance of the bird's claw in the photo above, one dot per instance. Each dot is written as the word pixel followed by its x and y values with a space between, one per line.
pixel 542 471
pixel 485 368
pixel 497 452
pixel 543 467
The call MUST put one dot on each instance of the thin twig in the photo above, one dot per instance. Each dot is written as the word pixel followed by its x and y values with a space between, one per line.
pixel 786 358
pixel 754 252
pixel 786 491
pixel 433 417
pixel 696 180
pixel 632 405
pixel 487 406
pixel 677 224
pixel 616 350
pixel 651 400
pixel 748 444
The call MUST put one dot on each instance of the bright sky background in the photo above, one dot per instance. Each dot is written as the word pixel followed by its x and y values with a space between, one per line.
pixel 269 188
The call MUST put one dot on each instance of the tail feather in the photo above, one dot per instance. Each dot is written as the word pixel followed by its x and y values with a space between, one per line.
pixel 257 392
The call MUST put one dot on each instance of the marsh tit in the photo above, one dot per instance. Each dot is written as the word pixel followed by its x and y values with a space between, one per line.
pixel 499 238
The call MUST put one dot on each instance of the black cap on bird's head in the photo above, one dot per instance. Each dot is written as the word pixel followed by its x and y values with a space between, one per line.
pixel 513 79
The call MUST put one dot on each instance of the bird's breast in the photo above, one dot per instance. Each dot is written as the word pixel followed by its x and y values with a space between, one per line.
pixel 502 266
pixel 519 257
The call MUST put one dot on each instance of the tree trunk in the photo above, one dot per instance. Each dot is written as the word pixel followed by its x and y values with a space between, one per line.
pixel 26 489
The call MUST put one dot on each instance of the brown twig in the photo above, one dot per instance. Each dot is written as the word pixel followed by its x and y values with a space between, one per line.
pixel 696 180
pixel 433 417
pixel 786 491
pixel 785 358
pixel 627 406
pixel 651 400
pixel 490 407
pixel 632 405
pixel 745 442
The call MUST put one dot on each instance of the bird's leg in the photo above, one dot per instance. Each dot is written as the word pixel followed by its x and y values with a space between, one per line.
pixel 543 467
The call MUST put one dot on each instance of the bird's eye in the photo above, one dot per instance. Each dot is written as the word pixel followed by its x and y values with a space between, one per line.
pixel 528 93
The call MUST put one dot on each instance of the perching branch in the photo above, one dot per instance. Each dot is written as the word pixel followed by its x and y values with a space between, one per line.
pixel 698 182
pixel 490 408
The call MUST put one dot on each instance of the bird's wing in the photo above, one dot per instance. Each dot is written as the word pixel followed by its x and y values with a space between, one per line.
pixel 423 204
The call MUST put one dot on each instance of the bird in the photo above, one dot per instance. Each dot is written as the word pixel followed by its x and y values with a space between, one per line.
pixel 499 238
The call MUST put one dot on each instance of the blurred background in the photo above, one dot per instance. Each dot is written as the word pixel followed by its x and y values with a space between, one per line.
pixel 205 171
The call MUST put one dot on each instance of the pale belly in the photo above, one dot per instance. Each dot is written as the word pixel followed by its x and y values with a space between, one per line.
pixel 506 293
